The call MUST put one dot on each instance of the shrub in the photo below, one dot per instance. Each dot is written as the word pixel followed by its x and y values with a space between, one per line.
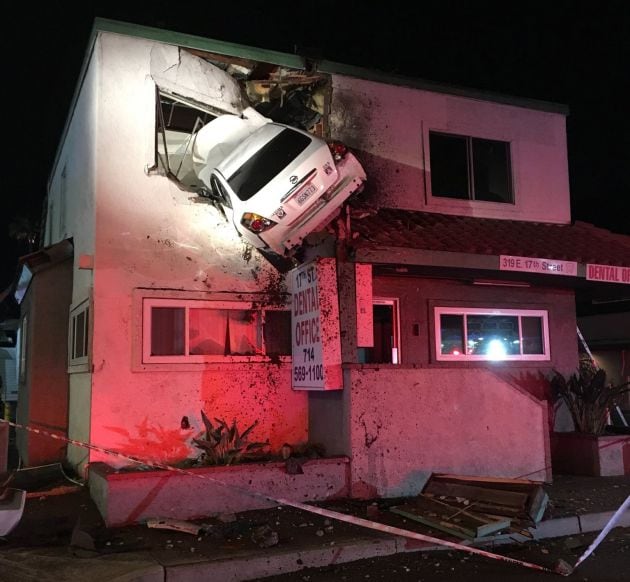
pixel 588 397
pixel 225 445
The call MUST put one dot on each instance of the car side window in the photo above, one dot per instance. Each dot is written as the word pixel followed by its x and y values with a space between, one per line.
pixel 219 192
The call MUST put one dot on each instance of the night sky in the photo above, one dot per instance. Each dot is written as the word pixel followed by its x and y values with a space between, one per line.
pixel 570 52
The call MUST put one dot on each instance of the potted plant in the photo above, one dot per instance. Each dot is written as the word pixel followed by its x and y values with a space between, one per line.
pixel 588 450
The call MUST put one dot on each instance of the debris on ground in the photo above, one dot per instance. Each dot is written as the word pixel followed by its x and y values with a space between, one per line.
pixel 226 517
pixel 474 507
pixel 563 568
pixel 174 524
pixel 265 537
pixel 449 519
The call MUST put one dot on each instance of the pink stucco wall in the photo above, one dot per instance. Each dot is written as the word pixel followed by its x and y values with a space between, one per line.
pixel 152 235
pixel 390 126
pixel 405 423
pixel 419 296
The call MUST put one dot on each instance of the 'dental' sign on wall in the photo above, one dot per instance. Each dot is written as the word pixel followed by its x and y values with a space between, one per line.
pixel 315 327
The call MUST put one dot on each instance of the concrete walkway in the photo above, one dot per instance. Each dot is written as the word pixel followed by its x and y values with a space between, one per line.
pixel 58 565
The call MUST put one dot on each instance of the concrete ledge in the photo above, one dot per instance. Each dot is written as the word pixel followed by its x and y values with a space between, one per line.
pixel 552 528
pixel 255 567
pixel 597 521
pixel 133 496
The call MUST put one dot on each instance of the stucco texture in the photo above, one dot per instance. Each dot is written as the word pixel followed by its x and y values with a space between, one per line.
pixel 152 235
pixel 390 126
pixel 468 422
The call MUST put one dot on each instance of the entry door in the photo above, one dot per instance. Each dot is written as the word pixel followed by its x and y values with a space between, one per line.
pixel 386 348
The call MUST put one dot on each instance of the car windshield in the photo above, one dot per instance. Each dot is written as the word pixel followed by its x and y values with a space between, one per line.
pixel 268 162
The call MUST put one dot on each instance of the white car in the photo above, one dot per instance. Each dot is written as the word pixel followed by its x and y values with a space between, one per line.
pixel 277 184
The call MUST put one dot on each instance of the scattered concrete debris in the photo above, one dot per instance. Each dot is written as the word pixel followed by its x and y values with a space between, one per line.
pixel 174 524
pixel 294 466
pixel 563 568
pixel 226 517
pixel 81 542
pixel 265 537
pixel 372 510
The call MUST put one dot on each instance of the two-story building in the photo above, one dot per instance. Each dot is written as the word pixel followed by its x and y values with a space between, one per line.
pixel 455 271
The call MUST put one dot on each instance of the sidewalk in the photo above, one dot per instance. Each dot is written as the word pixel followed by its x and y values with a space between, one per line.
pixel 39 549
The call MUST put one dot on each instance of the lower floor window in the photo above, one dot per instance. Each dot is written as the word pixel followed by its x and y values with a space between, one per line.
pixel 79 334
pixel 491 334
pixel 199 331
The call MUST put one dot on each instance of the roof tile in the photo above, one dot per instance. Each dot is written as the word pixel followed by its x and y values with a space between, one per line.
pixel 581 242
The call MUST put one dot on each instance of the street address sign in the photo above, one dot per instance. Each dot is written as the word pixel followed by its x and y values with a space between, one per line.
pixel 538 265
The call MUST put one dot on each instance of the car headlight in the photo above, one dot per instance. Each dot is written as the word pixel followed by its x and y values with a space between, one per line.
pixel 256 223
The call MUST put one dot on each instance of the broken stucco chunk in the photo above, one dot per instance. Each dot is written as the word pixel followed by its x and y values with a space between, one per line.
pixel 179 73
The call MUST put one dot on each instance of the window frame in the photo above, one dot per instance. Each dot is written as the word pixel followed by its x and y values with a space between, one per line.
pixel 23 343
pixel 161 162
pixel 81 363
pixel 470 175
pixel 464 311
pixel 148 302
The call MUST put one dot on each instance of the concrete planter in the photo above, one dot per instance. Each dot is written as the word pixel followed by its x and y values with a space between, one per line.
pixel 133 496
pixel 586 454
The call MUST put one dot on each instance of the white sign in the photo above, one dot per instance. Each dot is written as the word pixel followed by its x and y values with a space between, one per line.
pixel 535 265
pixel 608 273
pixel 308 364
pixel 315 327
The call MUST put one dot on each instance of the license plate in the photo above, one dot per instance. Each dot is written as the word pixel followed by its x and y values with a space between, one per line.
pixel 306 194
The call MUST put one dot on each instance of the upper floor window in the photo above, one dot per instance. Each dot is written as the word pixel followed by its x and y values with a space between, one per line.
pixel 177 124
pixel 195 331
pixel 470 168
pixel 491 334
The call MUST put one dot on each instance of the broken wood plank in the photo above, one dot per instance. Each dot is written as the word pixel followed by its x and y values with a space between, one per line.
pixel 448 528
pixel 494 496
pixel 480 508
pixel 537 504
pixel 496 482
pixel 536 497
pixel 448 519
pixel 174 524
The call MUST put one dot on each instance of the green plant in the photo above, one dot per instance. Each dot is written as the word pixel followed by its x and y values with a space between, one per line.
pixel 225 445
pixel 588 397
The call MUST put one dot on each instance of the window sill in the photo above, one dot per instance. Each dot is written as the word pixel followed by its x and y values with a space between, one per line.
pixel 80 368
pixel 232 364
